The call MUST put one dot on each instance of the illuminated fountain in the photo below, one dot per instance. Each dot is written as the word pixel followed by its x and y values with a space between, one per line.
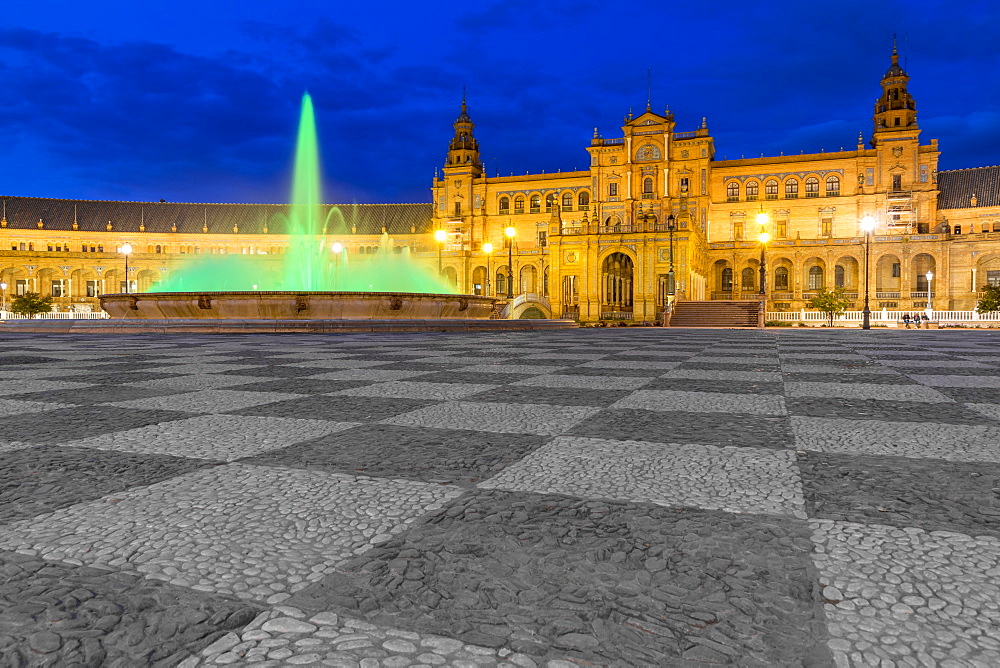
pixel 314 280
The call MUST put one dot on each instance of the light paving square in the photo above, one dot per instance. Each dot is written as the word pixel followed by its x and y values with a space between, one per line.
pixel 26 385
pixel 207 401
pixel 10 407
pixel 734 479
pixel 367 374
pixel 545 420
pixel 248 531
pixel 510 368
pixel 703 402
pixel 200 381
pixel 719 374
pixel 957 381
pixel 218 437
pixel 908 596
pixel 957 442
pixel 629 364
pixel 416 390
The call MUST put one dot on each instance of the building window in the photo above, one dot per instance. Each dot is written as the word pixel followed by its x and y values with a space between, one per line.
pixel 826 227
pixel 738 230
pixel 92 288
pixel 897 182
pixel 746 279
pixel 571 292
pixel 567 201
pixel 685 184
pixel 896 273
pixel 923 173
pixel 543 239
pixel 771 189
pixel 781 278
pixel 993 278
pixel 550 201
pixel 583 200
pixel 504 205
pixel 921 283
pixel 501 283
pixel 535 203
pixel 812 187
pixel 57 289
pixel 21 287
pixel 458 208
pixel 781 229
pixel 752 191
pixel 518 205
pixel 832 186
pixel 839 276
pixel 647 188
pixel 726 280
pixel 612 190
pixel 815 277
pixel 791 188
pixel 732 191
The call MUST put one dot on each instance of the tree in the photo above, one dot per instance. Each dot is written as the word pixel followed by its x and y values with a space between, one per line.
pixel 30 304
pixel 832 302
pixel 990 301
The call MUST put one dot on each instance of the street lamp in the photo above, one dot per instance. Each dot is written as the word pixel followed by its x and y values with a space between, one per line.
pixel 867 226
pixel 440 236
pixel 763 237
pixel 930 277
pixel 509 232
pixel 3 296
pixel 125 250
pixel 671 227
pixel 488 249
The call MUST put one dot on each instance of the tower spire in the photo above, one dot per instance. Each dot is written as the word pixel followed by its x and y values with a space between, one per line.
pixel 649 88
pixel 895 110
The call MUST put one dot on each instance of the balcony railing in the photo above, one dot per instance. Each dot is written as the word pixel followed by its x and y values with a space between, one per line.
pixel 617 229
pixel 890 294
pixel 616 315
pixel 571 313
pixel 573 230
pixel 920 294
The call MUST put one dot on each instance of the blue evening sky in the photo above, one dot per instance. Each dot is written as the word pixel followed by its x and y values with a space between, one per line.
pixel 198 101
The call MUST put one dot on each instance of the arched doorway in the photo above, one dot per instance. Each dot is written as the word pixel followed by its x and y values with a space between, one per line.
pixel 616 280
pixel 479 278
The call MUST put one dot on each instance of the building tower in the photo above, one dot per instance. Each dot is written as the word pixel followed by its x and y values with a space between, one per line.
pixel 895 110
pixel 462 168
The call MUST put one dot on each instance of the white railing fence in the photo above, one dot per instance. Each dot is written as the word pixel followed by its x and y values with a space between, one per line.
pixel 883 317
pixel 57 315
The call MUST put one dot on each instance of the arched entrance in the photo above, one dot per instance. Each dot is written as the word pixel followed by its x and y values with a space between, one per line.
pixel 616 281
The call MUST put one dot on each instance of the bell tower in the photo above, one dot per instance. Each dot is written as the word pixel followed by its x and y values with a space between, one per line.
pixel 895 110
pixel 463 152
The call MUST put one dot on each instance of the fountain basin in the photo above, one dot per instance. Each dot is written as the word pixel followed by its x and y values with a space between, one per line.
pixel 304 305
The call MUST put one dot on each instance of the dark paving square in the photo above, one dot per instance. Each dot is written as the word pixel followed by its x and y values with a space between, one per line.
pixel 894 411
pixel 338 408
pixel 730 366
pixel 15 360
pixel 92 617
pixel 451 456
pixel 560 396
pixel 683 427
pixel 72 423
pixel 112 378
pixel 596 583
pixel 301 385
pixel 409 365
pixel 96 394
pixel 972 395
pixel 848 378
pixel 473 377
pixel 708 385
pixel 42 478
pixel 931 494
pixel 610 372
pixel 276 371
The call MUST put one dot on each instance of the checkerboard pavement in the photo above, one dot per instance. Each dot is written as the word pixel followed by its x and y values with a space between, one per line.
pixel 587 497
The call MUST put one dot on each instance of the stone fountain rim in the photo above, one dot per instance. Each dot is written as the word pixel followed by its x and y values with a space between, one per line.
pixel 296 292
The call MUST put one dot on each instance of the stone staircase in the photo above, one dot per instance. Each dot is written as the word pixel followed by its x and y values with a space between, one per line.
pixel 715 313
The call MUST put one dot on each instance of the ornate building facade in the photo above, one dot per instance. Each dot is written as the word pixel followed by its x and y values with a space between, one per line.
pixel 654 215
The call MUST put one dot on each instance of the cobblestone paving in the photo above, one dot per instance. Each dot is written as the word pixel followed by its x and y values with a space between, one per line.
pixel 626 497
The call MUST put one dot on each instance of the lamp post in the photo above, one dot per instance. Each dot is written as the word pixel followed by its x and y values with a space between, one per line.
pixel 671 227
pixel 930 307
pixel 125 250
pixel 3 296
pixel 510 232
pixel 488 249
pixel 763 237
pixel 867 225
pixel 440 236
